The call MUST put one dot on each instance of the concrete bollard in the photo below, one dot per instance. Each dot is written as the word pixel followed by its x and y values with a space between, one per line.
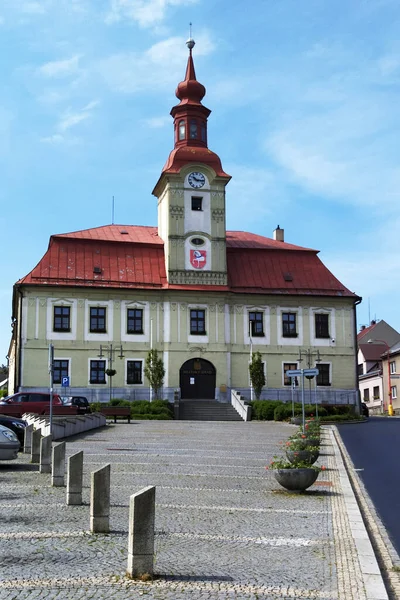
pixel 35 446
pixel 28 439
pixel 58 465
pixel 45 454
pixel 75 478
pixel 141 532
pixel 100 500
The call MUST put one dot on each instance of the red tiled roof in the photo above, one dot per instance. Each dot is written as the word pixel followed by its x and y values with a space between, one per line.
pixel 133 257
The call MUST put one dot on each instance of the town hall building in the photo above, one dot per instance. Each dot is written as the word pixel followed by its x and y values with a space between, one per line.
pixel 204 297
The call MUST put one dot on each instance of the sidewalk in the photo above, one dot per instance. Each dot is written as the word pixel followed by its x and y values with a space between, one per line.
pixel 224 528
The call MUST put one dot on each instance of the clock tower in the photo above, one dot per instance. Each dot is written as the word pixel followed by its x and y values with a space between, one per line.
pixel 191 194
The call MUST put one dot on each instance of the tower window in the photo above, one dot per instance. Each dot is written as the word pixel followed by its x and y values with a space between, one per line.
pixel 197 322
pixel 197 241
pixel 182 130
pixel 193 129
pixel 197 203
pixel 203 132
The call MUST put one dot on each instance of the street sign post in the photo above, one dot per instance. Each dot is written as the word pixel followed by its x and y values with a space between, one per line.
pixel 309 373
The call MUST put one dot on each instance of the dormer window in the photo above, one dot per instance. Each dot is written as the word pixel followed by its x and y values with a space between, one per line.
pixel 182 130
pixel 193 129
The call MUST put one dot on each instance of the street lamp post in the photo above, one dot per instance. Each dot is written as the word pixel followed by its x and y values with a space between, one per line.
pixel 390 406
pixel 110 352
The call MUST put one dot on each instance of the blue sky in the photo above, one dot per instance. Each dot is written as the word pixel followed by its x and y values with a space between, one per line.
pixel 305 117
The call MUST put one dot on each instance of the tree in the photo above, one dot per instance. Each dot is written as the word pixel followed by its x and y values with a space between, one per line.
pixel 154 371
pixel 257 376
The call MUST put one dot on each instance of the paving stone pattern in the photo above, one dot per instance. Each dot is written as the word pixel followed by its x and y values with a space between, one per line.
pixel 224 528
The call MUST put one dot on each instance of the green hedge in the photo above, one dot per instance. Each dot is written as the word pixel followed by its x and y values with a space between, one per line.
pixel 141 409
pixel 263 410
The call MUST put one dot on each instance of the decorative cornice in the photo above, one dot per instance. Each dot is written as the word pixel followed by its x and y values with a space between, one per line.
pixel 176 211
pixel 196 277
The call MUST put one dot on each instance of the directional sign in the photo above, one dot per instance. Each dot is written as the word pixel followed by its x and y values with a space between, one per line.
pixel 311 372
pixel 65 382
pixel 294 373
pixel 306 372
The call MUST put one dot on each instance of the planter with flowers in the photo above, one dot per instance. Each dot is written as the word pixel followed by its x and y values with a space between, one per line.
pixel 297 476
pixel 298 449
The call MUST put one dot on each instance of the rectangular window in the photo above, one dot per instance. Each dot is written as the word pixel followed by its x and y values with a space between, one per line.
pixel 289 325
pixel 376 392
pixel 366 395
pixel 60 370
pixel 62 318
pixel 197 203
pixel 360 369
pixel 98 319
pixel 97 371
pixel 256 324
pixel 393 391
pixel 393 367
pixel 198 322
pixel 324 374
pixel 135 320
pixel 134 371
pixel 321 325
pixel 289 367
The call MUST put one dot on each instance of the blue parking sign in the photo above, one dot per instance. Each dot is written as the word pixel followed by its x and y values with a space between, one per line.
pixel 65 382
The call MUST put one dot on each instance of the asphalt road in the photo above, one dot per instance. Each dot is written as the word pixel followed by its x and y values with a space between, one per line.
pixel 374 447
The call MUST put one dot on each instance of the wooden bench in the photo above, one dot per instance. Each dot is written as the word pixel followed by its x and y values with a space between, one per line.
pixel 116 411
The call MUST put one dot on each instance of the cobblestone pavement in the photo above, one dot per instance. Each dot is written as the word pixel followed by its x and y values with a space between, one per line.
pixel 224 527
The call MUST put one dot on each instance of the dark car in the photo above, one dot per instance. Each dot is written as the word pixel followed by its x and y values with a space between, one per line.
pixel 16 425
pixel 80 401
pixel 29 402
pixel 364 410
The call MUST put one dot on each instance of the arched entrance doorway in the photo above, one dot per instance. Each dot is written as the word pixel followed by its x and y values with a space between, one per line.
pixel 197 379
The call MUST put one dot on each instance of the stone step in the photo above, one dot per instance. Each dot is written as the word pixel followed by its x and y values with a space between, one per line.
pixel 207 410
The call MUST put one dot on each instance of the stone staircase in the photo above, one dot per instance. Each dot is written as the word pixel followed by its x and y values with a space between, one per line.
pixel 207 410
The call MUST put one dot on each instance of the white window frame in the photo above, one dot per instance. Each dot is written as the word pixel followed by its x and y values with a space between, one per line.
pixel 68 359
pixel 286 362
pixel 332 326
pixel 106 365
pixel 290 341
pixel 259 340
pixel 100 337
pixel 60 335
pixel 393 392
pixel 392 367
pixel 135 337
pixel 199 339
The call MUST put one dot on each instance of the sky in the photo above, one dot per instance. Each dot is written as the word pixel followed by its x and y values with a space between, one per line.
pixel 305 117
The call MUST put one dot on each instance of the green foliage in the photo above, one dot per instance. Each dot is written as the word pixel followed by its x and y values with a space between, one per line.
pixel 350 416
pixel 141 409
pixel 263 410
pixel 257 376
pixel 154 371
pixel 3 393
pixel 284 411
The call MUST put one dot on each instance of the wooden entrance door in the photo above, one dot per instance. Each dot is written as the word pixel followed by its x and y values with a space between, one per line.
pixel 197 379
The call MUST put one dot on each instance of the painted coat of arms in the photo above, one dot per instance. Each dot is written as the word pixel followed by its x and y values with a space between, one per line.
pixel 198 258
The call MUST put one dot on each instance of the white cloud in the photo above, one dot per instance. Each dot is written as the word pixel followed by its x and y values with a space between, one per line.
pixel 33 8
pixel 146 13
pixel 71 119
pixel 158 68
pixel 60 68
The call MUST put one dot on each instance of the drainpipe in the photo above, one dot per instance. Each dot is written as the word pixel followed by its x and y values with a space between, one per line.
pixel 358 405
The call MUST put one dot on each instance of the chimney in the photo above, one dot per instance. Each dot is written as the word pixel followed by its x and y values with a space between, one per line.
pixel 373 322
pixel 363 327
pixel 279 234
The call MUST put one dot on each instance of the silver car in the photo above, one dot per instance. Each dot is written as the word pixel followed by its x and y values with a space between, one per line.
pixel 9 444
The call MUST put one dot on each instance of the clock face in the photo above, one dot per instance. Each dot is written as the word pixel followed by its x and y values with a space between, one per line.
pixel 196 180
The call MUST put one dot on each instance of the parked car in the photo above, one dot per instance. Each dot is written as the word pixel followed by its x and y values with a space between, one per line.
pixel 16 425
pixel 364 410
pixel 9 444
pixel 80 401
pixel 34 402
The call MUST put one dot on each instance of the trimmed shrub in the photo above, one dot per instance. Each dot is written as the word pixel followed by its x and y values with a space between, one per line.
pixel 141 409
pixel 263 410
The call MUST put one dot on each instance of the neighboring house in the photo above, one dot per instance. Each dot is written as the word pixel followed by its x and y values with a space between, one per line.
pixel 204 297
pixel 3 384
pixel 374 371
